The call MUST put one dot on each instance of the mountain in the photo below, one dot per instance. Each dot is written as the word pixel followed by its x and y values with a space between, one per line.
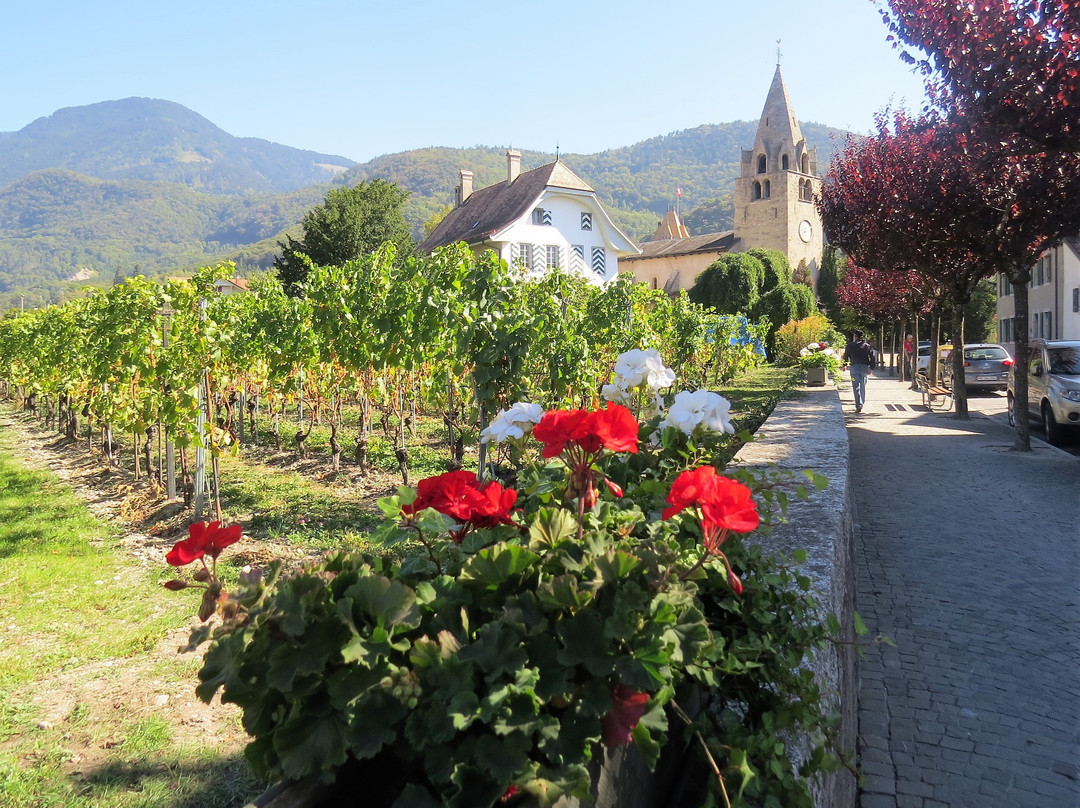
pixel 93 192
pixel 159 141
pixel 57 225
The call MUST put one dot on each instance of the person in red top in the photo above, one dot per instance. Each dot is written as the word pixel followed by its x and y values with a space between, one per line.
pixel 909 350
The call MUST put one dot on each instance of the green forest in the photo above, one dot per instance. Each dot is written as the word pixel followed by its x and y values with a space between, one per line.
pixel 92 194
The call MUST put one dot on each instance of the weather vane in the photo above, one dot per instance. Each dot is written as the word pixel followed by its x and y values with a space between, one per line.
pixel 778 53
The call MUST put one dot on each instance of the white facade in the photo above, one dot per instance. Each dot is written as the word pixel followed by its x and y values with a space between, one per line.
pixel 568 229
pixel 1053 297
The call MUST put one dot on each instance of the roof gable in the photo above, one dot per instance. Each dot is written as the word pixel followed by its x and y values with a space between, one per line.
pixel 491 209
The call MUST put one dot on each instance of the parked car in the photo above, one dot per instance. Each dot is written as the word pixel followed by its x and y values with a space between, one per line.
pixel 923 361
pixel 1053 378
pixel 986 366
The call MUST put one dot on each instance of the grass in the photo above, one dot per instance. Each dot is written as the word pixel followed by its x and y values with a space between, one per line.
pixel 83 622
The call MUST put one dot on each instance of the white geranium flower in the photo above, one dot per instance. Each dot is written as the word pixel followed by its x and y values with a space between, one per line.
pixel 525 413
pixel 636 367
pixel 613 392
pixel 512 423
pixel 699 408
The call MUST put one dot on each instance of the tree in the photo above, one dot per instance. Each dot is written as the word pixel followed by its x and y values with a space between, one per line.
pixel 350 223
pixel 1012 65
pixel 931 194
pixel 730 285
pixel 833 267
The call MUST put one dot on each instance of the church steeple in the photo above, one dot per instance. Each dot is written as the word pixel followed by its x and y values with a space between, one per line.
pixel 778 130
pixel 777 182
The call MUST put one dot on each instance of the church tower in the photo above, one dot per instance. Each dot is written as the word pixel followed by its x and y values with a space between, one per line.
pixel 774 193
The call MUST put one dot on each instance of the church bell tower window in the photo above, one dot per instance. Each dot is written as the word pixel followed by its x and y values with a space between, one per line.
pixel 761 164
pixel 784 162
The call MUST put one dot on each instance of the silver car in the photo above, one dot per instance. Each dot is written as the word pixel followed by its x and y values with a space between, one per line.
pixel 986 366
pixel 1053 387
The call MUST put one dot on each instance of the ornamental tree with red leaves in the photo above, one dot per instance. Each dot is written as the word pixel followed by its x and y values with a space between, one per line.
pixel 1010 65
pixel 880 295
pixel 928 194
pixel 891 202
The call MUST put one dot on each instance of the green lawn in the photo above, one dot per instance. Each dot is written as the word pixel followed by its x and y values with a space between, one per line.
pixel 82 654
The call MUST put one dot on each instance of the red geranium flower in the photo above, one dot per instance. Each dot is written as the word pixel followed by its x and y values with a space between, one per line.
pixel 722 505
pixel 627 707
pixel 204 538
pixel 579 436
pixel 459 495
pixel 614 428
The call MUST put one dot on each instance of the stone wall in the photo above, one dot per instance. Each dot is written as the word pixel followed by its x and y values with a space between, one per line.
pixel 809 433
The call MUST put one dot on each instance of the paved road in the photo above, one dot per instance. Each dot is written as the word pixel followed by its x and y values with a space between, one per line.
pixel 968 558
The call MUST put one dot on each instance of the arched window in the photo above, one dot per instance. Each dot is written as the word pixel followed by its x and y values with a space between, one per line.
pixel 784 163
pixel 761 164
pixel 767 189
pixel 806 164
pixel 757 190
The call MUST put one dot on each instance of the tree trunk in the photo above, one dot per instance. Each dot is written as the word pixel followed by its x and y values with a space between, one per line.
pixel 959 382
pixel 1019 281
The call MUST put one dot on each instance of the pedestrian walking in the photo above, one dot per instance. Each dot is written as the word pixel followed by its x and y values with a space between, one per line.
pixel 861 358
pixel 909 350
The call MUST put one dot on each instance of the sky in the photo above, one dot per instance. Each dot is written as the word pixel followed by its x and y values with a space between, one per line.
pixel 360 79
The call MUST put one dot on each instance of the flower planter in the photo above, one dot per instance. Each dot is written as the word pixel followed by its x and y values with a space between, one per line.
pixel 815 376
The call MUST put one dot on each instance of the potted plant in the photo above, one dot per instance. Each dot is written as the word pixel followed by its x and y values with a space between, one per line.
pixel 819 360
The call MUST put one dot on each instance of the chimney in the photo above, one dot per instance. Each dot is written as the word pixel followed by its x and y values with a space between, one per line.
pixel 513 165
pixel 464 189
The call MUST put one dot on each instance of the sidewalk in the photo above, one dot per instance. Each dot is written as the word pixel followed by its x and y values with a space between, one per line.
pixel 967 557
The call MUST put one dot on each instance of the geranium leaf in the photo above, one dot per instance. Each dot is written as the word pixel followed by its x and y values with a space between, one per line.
pixel 582 638
pixel 416 797
pixel 373 724
pixel 389 603
pixel 287 661
pixel 494 565
pixel 562 592
pixel 309 743
pixel 552 525
pixel 496 650
pixel 615 565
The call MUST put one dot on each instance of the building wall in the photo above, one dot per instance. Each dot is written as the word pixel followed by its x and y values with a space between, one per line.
pixel 564 233
pixel 656 271
pixel 1053 299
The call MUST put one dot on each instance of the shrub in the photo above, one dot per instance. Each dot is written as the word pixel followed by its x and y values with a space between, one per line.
pixel 796 335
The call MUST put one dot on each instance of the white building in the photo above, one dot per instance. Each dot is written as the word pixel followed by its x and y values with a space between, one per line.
pixel 544 218
pixel 1053 297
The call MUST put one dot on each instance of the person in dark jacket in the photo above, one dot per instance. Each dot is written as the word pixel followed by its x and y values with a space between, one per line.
pixel 861 361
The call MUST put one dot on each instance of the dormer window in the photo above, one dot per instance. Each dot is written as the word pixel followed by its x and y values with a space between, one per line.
pixel 784 162
pixel 761 164
pixel 806 164
pixel 586 221
pixel 541 216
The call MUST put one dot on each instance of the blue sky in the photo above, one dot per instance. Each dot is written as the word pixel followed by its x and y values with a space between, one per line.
pixel 363 78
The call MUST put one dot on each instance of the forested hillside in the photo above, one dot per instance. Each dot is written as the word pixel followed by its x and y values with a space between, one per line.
pixel 637 182
pixel 140 185
pixel 149 139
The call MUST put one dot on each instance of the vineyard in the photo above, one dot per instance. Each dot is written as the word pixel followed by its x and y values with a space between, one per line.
pixel 167 379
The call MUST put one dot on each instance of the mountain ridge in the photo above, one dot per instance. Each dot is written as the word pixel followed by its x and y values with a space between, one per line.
pixel 150 186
